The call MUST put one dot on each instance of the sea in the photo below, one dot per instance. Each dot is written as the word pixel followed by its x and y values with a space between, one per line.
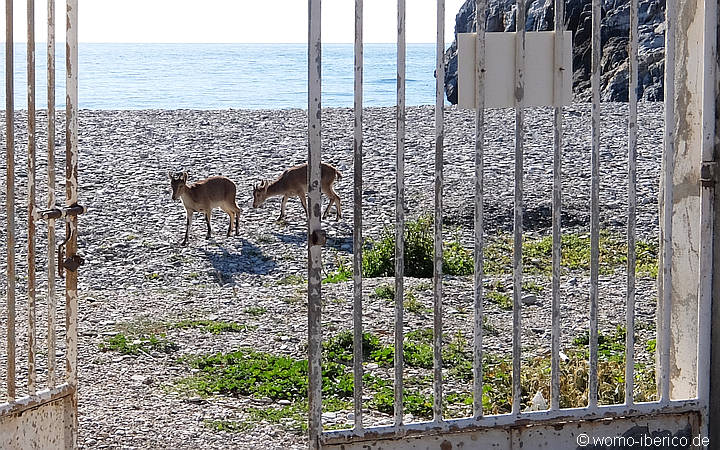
pixel 223 76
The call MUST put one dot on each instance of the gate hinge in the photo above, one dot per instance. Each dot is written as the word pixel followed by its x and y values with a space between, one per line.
pixel 708 173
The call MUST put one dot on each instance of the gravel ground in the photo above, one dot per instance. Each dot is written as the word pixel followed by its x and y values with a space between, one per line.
pixel 136 274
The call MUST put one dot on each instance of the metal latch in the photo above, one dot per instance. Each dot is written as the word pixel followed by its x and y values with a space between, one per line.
pixel 318 237
pixel 61 213
pixel 708 171
pixel 72 262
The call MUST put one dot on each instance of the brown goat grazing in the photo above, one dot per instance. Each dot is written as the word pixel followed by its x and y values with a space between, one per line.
pixel 203 196
pixel 293 182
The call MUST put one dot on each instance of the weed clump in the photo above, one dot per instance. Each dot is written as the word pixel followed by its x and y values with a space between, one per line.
pixel 379 256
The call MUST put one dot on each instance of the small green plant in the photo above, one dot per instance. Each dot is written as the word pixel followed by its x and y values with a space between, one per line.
pixel 152 276
pixel 212 326
pixel 339 348
pixel 650 346
pixel 291 417
pixel 385 291
pixel 255 311
pixel 342 273
pixel 503 300
pixel 532 287
pixel 414 402
pixel 457 260
pixel 138 345
pixel 609 346
pixel 379 256
pixel 413 304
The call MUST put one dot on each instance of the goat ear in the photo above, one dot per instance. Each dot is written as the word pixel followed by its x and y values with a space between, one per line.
pixel 184 176
pixel 170 174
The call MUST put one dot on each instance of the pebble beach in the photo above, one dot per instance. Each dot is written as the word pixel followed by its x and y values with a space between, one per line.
pixel 136 275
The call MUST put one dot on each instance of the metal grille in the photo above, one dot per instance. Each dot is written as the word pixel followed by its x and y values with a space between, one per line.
pixel 440 426
pixel 43 415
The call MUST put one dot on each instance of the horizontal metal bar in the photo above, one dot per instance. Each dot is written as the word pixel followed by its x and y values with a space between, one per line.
pixel 338 437
pixel 32 401
pixel 60 213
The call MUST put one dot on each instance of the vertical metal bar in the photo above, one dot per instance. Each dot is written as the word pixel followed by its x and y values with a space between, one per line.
pixel 480 15
pixel 52 299
pixel 707 198
pixel 10 196
pixel 400 214
pixel 594 203
pixel 31 194
pixel 314 251
pixel 632 206
pixel 669 167
pixel 559 70
pixel 71 192
pixel 357 217
pixel 518 213
pixel 438 240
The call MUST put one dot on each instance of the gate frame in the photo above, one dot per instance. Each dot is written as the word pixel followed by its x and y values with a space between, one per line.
pixel 47 417
pixel 695 405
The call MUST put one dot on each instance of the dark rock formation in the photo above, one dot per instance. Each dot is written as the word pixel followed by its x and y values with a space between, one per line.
pixel 578 19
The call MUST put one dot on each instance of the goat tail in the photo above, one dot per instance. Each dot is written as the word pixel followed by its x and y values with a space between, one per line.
pixel 338 175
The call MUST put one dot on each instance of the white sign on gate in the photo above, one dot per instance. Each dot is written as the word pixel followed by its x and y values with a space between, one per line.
pixel 500 69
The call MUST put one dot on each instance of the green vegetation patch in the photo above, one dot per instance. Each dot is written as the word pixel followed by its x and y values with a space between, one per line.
pixel 213 326
pixel 385 291
pixel 343 272
pixel 249 373
pixel 136 345
pixel 255 311
pixel 537 254
pixel 379 256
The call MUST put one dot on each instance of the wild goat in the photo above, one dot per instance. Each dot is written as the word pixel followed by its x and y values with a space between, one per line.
pixel 293 182
pixel 203 196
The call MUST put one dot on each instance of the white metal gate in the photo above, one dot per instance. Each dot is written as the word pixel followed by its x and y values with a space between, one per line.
pixel 40 409
pixel 676 415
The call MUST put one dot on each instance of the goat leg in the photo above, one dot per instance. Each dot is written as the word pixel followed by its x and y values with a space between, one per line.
pixel 207 219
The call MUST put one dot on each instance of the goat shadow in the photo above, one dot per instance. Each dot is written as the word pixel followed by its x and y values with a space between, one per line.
pixel 244 257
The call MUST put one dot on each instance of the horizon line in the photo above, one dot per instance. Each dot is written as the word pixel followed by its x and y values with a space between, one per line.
pixel 219 43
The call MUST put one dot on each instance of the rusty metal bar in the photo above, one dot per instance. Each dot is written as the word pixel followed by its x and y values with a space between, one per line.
pixel 570 415
pixel 32 347
pixel 518 213
pixel 40 398
pixel 357 218
pixel 559 20
pixel 71 192
pixel 669 168
pixel 314 225
pixel 52 298
pixel 438 237
pixel 632 205
pixel 10 196
pixel 400 215
pixel 480 17
pixel 594 202
pixel 708 175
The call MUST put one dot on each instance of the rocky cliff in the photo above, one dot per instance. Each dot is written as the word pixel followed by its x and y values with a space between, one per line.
pixel 578 19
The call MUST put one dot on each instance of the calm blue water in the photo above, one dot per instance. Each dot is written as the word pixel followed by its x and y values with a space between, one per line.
pixel 219 76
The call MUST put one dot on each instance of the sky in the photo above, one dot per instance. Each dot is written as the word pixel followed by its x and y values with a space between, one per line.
pixel 224 21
